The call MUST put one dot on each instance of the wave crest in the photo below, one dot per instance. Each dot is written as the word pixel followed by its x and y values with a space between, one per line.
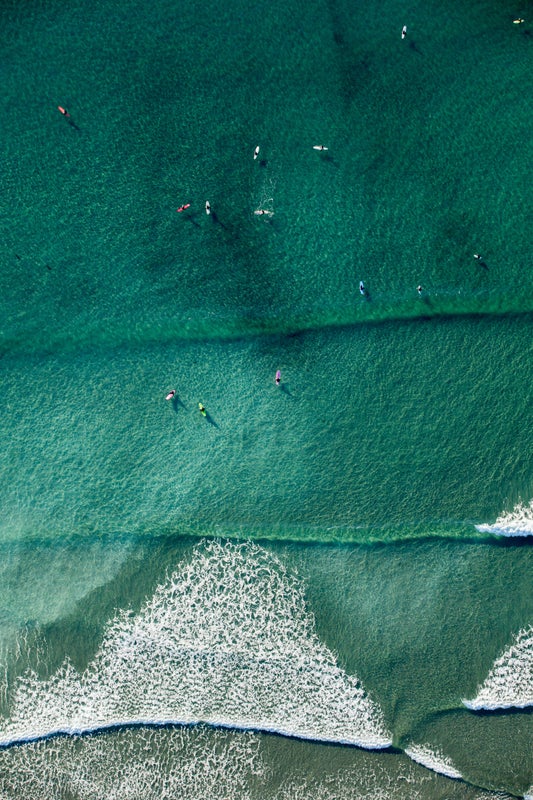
pixel 510 681
pixel 519 522
pixel 226 640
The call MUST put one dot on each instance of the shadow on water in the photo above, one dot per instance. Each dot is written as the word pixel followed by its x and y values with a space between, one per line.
pixel 484 265
pixel 327 157
pixel 283 387
pixel 177 402
pixel 413 45
pixel 210 419
pixel 73 125
pixel 217 221
pixel 263 162
pixel 191 218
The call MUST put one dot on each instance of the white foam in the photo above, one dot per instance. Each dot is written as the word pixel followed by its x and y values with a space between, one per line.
pixel 435 761
pixel 204 764
pixel 510 681
pixel 226 640
pixel 211 765
pixel 519 522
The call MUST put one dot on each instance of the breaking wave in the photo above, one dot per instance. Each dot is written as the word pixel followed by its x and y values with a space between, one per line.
pixel 432 760
pixel 510 681
pixel 226 640
pixel 191 763
pixel 519 522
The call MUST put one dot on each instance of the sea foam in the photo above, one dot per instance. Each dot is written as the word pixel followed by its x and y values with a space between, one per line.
pixel 519 522
pixel 510 681
pixel 192 763
pixel 432 760
pixel 138 765
pixel 226 640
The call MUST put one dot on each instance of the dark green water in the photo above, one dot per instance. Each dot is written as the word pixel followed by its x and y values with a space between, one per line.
pixel 377 596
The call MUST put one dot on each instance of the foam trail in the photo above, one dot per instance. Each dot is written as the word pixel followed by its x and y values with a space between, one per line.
pixel 519 522
pixel 510 681
pixel 143 764
pixel 225 640
pixel 192 763
pixel 432 760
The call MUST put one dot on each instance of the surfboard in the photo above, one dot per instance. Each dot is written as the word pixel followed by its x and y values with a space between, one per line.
pixel 319 147
pixel 404 31
pixel 203 412
pixel 256 152
pixel 207 207
pixel 170 395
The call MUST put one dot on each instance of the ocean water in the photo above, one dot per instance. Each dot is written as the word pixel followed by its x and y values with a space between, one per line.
pixel 322 589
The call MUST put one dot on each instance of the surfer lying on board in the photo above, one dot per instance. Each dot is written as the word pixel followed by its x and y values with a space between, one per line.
pixel 278 377
pixel 63 111
pixel 182 208
pixel 203 412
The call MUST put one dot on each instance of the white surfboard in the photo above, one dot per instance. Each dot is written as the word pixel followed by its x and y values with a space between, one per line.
pixel 256 152
pixel 319 147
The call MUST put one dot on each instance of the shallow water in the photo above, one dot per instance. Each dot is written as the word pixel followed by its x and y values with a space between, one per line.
pixel 383 490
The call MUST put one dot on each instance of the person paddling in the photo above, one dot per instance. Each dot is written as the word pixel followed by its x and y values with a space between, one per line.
pixel 278 378
pixel 63 111
pixel 182 208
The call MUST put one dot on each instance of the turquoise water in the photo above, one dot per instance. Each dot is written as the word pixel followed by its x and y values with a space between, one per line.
pixel 306 593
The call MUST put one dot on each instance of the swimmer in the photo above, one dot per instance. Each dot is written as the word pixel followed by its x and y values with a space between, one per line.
pixel 170 395
pixel 63 111
pixel 256 152
pixel 419 289
pixel 319 147
pixel 477 256
pixel 404 31
pixel 207 207
pixel 278 378
pixel 182 208
pixel 362 287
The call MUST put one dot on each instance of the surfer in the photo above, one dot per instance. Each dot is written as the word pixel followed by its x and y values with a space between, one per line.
pixel 404 31
pixel 63 111
pixel 477 256
pixel 518 21
pixel 319 147
pixel 362 287
pixel 419 289
pixel 261 211
pixel 278 378
pixel 182 208
pixel 256 152
pixel 170 395
pixel 203 412
pixel 207 207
